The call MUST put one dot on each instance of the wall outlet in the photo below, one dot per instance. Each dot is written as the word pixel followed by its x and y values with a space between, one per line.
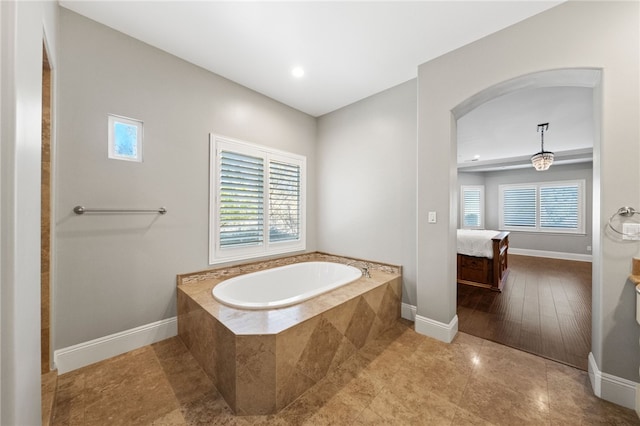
pixel 432 217
pixel 588 248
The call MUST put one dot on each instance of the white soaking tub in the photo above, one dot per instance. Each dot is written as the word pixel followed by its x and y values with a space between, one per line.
pixel 284 285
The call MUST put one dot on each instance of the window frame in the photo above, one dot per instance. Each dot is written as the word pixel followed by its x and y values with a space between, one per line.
pixel 479 188
pixel 112 120
pixel 218 254
pixel 581 206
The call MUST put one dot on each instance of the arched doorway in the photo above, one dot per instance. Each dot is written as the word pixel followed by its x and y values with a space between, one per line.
pixel 539 320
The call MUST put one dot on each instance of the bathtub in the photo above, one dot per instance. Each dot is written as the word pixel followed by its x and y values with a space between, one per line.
pixel 284 285
pixel 261 360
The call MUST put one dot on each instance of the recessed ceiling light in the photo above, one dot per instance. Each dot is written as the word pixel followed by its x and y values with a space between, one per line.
pixel 297 72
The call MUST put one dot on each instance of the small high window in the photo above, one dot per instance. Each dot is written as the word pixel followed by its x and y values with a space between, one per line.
pixel 125 138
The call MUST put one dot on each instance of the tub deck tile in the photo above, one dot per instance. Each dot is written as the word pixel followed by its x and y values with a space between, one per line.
pixel 262 360
pixel 341 316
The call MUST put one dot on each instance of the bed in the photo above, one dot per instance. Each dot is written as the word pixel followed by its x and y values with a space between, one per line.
pixel 483 258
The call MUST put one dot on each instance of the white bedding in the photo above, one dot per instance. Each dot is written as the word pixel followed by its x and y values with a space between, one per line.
pixel 475 242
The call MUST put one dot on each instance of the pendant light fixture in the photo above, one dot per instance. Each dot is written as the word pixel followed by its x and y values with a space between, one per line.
pixel 543 159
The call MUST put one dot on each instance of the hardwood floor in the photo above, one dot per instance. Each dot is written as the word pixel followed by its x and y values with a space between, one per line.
pixel 544 309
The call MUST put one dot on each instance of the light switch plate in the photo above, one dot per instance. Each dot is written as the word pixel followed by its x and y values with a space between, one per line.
pixel 432 217
pixel 631 231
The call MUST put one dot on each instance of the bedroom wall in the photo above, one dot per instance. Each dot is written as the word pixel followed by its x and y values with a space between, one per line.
pixel 470 178
pixel 564 243
pixel 576 34
pixel 117 272
pixel 367 181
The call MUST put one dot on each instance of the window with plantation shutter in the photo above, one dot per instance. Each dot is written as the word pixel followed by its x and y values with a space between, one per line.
pixel 560 207
pixel 472 206
pixel 555 207
pixel 257 201
pixel 519 208
pixel 284 201
pixel 241 207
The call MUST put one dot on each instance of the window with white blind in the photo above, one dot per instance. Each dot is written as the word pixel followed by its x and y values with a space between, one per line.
pixel 284 201
pixel 472 206
pixel 543 207
pixel 257 201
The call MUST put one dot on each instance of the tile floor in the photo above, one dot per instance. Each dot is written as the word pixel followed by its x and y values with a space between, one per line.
pixel 402 378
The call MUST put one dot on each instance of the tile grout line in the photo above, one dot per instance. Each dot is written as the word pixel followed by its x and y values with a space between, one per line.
pixel 546 376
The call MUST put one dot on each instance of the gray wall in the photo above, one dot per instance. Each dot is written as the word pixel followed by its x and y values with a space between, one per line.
pixel 564 243
pixel 367 181
pixel 470 178
pixel 116 272
pixel 576 34
pixel 22 28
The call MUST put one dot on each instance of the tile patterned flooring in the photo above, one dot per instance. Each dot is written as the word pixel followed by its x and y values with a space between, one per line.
pixel 401 378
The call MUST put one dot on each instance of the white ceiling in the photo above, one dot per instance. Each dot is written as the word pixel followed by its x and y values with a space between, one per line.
pixel 503 131
pixel 349 50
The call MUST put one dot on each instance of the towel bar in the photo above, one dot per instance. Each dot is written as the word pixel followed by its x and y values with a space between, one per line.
pixel 83 210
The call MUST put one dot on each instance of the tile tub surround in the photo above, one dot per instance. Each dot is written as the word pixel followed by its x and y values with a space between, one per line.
pixel 262 360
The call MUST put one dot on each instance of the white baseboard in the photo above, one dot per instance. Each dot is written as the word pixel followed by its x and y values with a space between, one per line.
pixel 76 356
pixel 612 388
pixel 638 400
pixel 436 329
pixel 551 254
pixel 595 376
pixel 408 312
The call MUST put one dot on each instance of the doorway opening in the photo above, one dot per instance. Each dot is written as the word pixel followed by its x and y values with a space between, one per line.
pixel 546 303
